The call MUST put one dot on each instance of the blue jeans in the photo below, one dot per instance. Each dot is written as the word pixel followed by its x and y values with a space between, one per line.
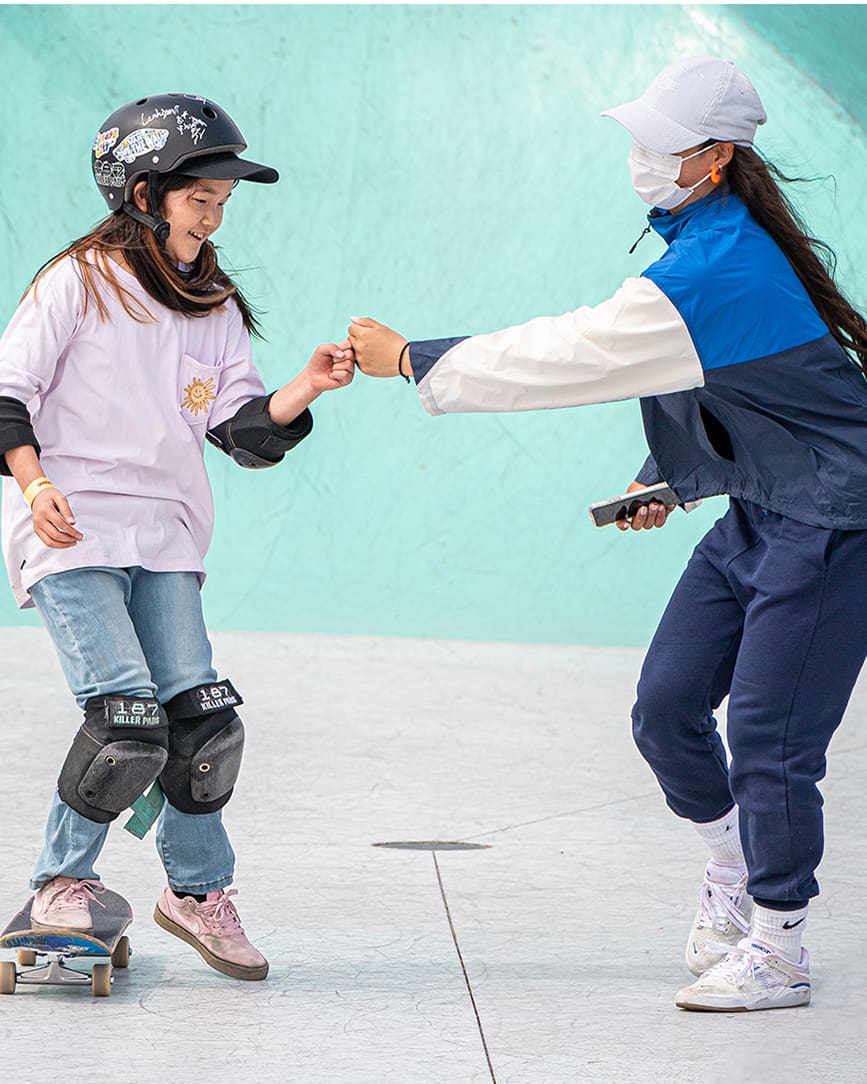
pixel 130 632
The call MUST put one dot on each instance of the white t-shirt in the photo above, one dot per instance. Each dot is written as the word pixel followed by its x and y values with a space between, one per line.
pixel 120 409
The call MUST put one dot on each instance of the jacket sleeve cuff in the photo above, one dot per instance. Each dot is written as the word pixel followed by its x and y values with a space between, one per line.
pixel 425 354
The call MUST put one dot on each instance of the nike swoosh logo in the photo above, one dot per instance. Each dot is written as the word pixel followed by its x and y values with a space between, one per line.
pixel 188 922
pixel 792 925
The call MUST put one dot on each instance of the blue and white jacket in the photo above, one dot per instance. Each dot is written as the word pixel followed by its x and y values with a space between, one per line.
pixel 743 389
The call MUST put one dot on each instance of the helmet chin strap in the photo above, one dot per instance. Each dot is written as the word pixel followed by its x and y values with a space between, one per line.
pixel 154 221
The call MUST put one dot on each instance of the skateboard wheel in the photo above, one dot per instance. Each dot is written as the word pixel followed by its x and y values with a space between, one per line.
pixel 26 957
pixel 8 977
pixel 120 956
pixel 100 980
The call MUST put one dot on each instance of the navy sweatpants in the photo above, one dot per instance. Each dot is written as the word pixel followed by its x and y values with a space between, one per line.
pixel 772 613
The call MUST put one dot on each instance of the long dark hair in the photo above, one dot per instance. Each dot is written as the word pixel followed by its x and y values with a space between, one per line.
pixel 755 181
pixel 196 293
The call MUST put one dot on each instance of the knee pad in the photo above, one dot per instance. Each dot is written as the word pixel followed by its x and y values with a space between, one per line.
pixel 206 742
pixel 120 749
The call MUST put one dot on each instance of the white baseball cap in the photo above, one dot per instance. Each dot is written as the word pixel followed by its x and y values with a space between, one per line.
pixel 691 101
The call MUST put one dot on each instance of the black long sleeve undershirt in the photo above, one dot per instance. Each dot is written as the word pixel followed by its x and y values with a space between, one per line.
pixel 15 429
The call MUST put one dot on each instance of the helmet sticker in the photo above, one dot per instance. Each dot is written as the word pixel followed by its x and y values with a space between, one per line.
pixel 185 121
pixel 109 174
pixel 188 123
pixel 140 142
pixel 105 141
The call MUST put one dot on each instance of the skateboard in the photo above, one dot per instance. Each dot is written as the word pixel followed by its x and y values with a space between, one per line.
pixel 44 952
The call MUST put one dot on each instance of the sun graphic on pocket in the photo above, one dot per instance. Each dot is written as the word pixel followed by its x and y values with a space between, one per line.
pixel 198 394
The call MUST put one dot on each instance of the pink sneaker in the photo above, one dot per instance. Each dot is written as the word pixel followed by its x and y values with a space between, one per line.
pixel 64 904
pixel 214 930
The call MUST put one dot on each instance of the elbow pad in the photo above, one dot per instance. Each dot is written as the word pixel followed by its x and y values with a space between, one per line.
pixel 253 440
pixel 15 429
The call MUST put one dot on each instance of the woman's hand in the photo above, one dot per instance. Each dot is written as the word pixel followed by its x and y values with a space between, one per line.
pixel 377 348
pixel 53 520
pixel 647 516
pixel 332 365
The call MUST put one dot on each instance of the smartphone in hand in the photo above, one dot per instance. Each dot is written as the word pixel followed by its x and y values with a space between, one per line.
pixel 627 504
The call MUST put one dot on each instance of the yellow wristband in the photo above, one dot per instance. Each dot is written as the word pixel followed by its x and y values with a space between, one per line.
pixel 36 486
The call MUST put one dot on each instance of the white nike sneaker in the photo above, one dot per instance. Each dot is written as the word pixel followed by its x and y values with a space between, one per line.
pixel 723 918
pixel 750 976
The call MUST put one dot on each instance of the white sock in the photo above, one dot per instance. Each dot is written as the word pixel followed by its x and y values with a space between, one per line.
pixel 781 930
pixel 724 841
pixel 725 873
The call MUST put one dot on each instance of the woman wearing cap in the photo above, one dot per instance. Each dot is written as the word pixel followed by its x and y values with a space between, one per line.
pixel 128 351
pixel 750 366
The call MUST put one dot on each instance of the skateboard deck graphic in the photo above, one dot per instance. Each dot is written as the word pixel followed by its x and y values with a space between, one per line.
pixel 43 951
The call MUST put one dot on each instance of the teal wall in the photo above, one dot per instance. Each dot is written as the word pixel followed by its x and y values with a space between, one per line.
pixel 444 169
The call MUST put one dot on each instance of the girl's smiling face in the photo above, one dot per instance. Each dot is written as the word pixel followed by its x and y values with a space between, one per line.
pixel 193 213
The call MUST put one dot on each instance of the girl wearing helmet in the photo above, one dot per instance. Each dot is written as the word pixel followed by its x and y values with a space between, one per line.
pixel 750 366
pixel 128 351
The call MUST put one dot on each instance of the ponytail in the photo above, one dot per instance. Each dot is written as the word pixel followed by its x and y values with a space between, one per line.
pixel 755 181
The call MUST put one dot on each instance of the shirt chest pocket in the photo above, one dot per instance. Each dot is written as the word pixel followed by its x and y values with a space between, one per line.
pixel 198 386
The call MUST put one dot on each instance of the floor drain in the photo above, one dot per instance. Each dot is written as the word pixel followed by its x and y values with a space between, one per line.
pixel 433 845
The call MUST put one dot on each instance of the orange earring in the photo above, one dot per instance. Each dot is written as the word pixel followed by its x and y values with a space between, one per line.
pixel 715 174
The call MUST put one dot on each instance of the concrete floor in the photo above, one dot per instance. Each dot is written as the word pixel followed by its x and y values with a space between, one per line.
pixel 569 923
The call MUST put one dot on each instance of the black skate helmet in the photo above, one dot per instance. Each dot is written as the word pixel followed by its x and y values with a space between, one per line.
pixel 168 133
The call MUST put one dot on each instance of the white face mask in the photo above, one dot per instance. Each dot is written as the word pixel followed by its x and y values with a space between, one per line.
pixel 654 176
